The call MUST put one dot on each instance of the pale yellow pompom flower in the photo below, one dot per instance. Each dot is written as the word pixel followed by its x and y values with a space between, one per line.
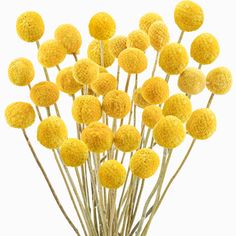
pixel 51 53
pixel 30 26
pixel 147 20
pixel 169 132
pixel 144 163
pixel 117 44
pixel 112 174
pixel 201 124
pixel 138 39
pixel 151 115
pixel 74 152
pixel 52 132
pixel 173 59
pixel 102 26
pixel 21 71
pixel 20 115
pixel 69 36
pixel 138 99
pixel 219 80
pixel 205 49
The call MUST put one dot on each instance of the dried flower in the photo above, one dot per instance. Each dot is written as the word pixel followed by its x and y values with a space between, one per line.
pixel 138 99
pixel 117 44
pixel 138 39
pixel 147 20
pixel 151 115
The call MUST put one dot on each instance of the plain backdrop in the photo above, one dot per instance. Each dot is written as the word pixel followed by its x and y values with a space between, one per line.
pixel 202 199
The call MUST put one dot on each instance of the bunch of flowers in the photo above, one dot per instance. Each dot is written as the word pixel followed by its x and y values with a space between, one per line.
pixel 121 132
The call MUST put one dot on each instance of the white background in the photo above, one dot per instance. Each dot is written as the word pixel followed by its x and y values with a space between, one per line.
pixel 201 200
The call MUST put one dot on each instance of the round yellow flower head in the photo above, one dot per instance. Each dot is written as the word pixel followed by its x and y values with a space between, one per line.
pixel 178 105
pixel 138 99
pixel 147 20
pixel 69 36
pixel 138 39
pixel 20 115
pixel 74 152
pixel 173 59
pixel 169 132
pixel 127 138
pixel 21 72
pixel 104 84
pixel 219 80
pixel 98 137
pixel 189 16
pixel 102 26
pixel 51 53
pixel 151 115
pixel 201 124
pixel 116 104
pixel 144 163
pixel 85 71
pixel 159 35
pixel 30 26
pixel 52 132
pixel 86 109
pixel 155 90
pixel 94 53
pixel 66 83
pixel 117 44
pixel 205 49
pixel 112 174
pixel 44 94
pixel 133 60
pixel 192 81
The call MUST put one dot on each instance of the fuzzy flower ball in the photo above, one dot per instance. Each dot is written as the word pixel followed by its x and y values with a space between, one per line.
pixel 86 109
pixel 74 152
pixel 21 71
pixel 127 138
pixel 189 16
pixel 201 124
pixel 133 60
pixel 219 80
pixel 155 90
pixel 102 26
pixel 112 174
pixel 151 115
pixel 173 59
pixel 20 115
pixel 205 49
pixel 44 94
pixel 94 53
pixel 116 104
pixel 178 105
pixel 52 132
pixel 192 81
pixel 138 39
pixel 69 36
pixel 98 137
pixel 144 163
pixel 30 26
pixel 138 99
pixel 169 132
pixel 51 53
pixel 147 20
pixel 117 44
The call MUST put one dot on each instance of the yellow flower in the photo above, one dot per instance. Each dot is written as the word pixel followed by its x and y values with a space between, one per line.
pixel 86 109
pixel 138 99
pixel 44 94
pixel 74 152
pixel 98 137
pixel 30 26
pixel 169 132
pixel 151 115
pixel 155 90
pixel 20 115
pixel 201 124
pixel 173 58
pixel 102 26
pixel 138 39
pixel 69 36
pixel 112 174
pixel 51 53
pixel 117 44
pixel 102 69
pixel 144 163
pixel 147 20
pixel 205 49
pixel 52 132
pixel 219 80
pixel 21 71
